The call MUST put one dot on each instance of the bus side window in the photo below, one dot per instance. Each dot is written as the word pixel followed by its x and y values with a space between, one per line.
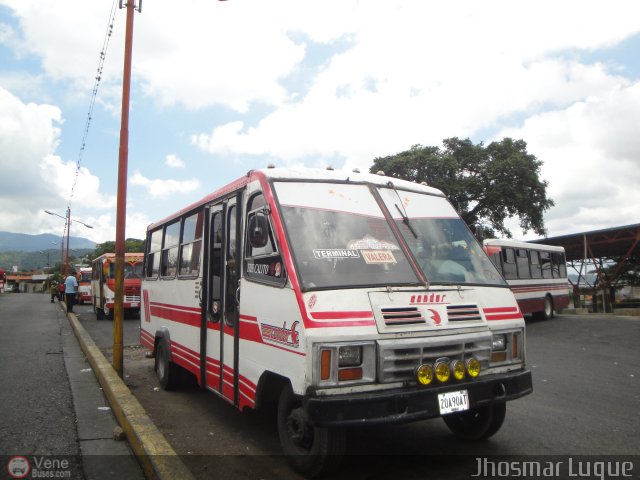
pixel 216 265
pixel 231 280
pixel 154 245
pixel 545 263
pixel 523 263
pixel 263 262
pixel 169 264
pixel 536 272
pixel 509 268
pixel 191 244
pixel 559 265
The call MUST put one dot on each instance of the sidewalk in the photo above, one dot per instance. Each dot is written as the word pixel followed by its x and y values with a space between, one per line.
pixel 157 458
pixel 102 456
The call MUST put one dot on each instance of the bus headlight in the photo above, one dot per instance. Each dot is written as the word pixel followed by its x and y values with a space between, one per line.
pixel 338 363
pixel 499 342
pixel 350 356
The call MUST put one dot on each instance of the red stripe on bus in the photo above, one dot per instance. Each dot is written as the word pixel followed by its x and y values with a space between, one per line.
pixel 366 314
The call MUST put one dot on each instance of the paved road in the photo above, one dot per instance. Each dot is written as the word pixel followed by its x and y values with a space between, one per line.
pixel 52 407
pixel 586 372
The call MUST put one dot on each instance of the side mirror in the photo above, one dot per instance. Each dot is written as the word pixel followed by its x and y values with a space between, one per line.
pixel 258 230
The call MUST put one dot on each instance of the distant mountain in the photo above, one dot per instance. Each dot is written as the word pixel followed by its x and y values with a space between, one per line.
pixel 21 242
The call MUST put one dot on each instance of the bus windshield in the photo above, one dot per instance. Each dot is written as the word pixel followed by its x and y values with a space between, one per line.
pixel 439 239
pixel 130 271
pixel 340 238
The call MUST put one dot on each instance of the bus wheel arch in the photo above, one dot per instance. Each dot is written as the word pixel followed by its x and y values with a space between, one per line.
pixel 311 450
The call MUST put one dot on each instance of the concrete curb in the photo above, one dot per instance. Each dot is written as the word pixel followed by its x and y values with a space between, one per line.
pixel 156 456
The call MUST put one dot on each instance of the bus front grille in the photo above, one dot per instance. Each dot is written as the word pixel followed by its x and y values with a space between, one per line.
pixel 398 359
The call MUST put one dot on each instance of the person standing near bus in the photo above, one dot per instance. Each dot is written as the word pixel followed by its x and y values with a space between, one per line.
pixel 70 289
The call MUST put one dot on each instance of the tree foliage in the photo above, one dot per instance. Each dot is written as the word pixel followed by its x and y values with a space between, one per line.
pixel 485 184
pixel 131 245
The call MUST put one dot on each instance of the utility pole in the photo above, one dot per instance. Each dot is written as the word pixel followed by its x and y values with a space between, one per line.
pixel 121 206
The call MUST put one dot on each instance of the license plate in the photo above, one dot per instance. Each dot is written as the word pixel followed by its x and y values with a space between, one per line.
pixel 451 402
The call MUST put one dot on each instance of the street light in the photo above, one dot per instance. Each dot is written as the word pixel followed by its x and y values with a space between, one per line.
pixel 68 221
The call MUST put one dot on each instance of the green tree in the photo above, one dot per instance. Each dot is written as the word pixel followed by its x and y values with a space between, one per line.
pixel 486 184
pixel 131 245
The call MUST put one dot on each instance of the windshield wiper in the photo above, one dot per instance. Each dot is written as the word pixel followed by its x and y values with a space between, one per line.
pixel 403 213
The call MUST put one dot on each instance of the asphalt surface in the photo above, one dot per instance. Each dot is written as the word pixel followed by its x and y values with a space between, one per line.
pixel 586 371
pixel 52 407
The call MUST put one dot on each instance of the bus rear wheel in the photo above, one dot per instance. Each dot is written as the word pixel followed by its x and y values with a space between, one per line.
pixel 311 450
pixel 98 311
pixel 547 312
pixel 166 371
pixel 477 424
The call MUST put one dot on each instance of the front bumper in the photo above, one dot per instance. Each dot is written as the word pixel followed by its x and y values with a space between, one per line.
pixel 412 403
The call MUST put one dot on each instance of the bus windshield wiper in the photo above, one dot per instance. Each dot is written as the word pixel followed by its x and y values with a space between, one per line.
pixel 403 213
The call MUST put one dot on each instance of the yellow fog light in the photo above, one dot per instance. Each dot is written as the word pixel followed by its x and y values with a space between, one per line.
pixel 473 367
pixel 424 374
pixel 457 367
pixel 442 371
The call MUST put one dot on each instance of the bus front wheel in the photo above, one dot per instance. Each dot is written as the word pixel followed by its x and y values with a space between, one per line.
pixel 311 450
pixel 477 424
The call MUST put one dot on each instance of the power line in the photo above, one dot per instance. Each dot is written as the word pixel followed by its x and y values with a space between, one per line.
pixel 94 94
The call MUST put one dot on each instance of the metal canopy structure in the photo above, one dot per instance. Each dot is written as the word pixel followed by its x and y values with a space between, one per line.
pixel 609 243
pixel 600 248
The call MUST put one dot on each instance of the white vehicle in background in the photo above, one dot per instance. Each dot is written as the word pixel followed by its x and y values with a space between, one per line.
pixel 348 299
pixel 536 273
pixel 84 284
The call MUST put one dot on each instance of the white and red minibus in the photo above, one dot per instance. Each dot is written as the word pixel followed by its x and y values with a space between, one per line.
pixel 84 284
pixel 346 298
pixel 103 283
pixel 536 273
pixel 3 280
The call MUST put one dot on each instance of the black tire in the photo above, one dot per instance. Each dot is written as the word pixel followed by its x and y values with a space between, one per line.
pixel 98 311
pixel 312 451
pixel 168 373
pixel 547 313
pixel 107 312
pixel 477 424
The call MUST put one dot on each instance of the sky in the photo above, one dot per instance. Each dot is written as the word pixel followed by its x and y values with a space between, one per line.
pixel 223 87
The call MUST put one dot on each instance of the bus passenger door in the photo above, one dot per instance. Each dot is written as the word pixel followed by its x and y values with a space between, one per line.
pixel 222 300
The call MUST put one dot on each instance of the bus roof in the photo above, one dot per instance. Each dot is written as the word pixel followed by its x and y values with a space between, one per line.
pixel 302 174
pixel 500 242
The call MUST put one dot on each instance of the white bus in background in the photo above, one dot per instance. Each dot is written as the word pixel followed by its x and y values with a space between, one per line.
pixel 84 284
pixel 347 299
pixel 537 274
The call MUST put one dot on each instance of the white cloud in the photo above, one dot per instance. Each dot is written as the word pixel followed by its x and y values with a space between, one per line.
pixel 174 161
pixel 591 155
pixel 341 80
pixel 163 188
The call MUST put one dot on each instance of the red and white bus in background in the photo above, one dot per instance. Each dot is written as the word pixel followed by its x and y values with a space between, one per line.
pixel 537 274
pixel 347 299
pixel 3 280
pixel 84 284
pixel 103 280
